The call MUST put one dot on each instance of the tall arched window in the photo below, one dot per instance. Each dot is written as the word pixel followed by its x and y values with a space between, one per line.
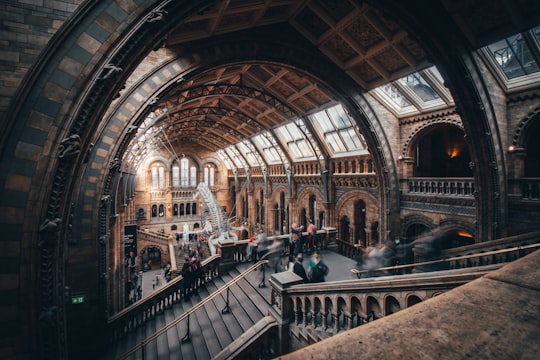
pixel 192 176
pixel 154 177
pixel 175 176
pixel 161 172
pixel 209 175
pixel 184 175
pixel 158 176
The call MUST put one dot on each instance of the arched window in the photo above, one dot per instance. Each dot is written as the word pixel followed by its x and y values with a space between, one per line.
pixel 188 209
pixel 175 176
pixel 193 176
pixel 161 210
pixel 154 177
pixel 209 175
pixel 194 209
pixel 158 176
pixel 184 175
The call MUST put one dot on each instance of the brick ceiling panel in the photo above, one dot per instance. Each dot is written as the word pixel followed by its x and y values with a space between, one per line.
pixel 298 81
pixel 391 60
pixel 337 9
pixel 304 104
pixel 282 89
pixel 365 72
pixel 364 33
pixel 339 49
pixel 311 23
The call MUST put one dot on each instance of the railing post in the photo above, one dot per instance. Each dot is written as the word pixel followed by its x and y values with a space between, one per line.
pixel 226 250
pixel 281 305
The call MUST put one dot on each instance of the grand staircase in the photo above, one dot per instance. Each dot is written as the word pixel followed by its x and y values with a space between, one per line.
pixel 211 328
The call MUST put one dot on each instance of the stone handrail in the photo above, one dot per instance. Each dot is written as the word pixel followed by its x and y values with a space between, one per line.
pixel 255 343
pixel 316 311
pixel 142 345
pixel 144 310
pixel 481 258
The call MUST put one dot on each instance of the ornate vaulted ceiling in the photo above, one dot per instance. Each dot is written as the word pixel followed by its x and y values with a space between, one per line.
pixel 230 103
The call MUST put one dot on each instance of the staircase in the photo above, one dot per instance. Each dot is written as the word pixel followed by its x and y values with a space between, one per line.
pixel 211 328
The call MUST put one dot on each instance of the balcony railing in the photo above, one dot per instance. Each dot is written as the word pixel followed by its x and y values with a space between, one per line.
pixel 525 188
pixel 438 186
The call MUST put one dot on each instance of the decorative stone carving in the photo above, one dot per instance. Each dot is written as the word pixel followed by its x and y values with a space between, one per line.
pixel 109 70
pixel 69 147
pixel 156 16
pixel 47 317
pixel 49 232
pixel 114 164
pixel 105 200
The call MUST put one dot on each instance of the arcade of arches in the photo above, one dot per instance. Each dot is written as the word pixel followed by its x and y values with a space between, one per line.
pixel 380 119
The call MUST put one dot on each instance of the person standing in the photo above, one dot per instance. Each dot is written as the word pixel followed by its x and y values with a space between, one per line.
pixel 317 269
pixel 298 268
pixel 311 230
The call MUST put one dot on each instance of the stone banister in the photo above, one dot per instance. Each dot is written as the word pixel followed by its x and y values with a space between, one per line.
pixel 312 312
pixel 144 310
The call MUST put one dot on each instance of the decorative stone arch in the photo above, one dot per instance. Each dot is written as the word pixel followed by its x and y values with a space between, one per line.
pixel 345 207
pixel 416 219
pixel 391 304
pixel 412 299
pixel 450 224
pixel 421 130
pixel 519 137
pixel 303 199
pixel 163 249
pixel 356 195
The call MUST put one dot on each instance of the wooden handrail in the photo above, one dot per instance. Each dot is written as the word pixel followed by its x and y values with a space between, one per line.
pixel 455 258
pixel 186 314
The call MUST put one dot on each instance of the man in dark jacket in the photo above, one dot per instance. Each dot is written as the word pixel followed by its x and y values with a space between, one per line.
pixel 298 268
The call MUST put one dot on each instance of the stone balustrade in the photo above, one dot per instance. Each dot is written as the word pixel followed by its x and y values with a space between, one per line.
pixel 439 186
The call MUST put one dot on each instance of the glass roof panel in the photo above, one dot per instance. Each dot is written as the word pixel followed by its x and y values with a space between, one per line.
pixel 514 56
pixel 351 139
pixel 225 159
pixel 267 149
pixel 394 95
pixel 296 143
pixel 248 153
pixel 420 87
pixel 233 154
pixel 338 131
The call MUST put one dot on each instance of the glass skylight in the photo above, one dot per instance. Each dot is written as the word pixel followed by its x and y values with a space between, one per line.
pixel 415 93
pixel 267 149
pixel 338 131
pixel 236 157
pixel 420 87
pixel 296 142
pixel 514 56
pixel 249 153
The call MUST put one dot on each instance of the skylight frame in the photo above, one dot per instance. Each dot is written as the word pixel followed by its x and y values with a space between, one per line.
pixel 339 132
pixel 531 38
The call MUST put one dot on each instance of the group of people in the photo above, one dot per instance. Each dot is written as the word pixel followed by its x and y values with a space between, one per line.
pixel 316 271
pixel 300 243
pixel 192 272
pixel 375 257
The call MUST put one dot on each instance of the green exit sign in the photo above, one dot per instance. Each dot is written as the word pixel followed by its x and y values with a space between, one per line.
pixel 79 299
